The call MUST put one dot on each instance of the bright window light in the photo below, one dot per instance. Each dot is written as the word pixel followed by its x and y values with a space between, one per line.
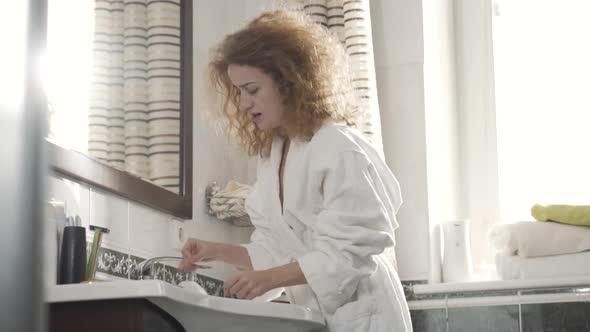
pixel 542 81
pixel 69 71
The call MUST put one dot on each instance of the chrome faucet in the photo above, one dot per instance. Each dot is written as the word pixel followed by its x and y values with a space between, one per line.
pixel 147 266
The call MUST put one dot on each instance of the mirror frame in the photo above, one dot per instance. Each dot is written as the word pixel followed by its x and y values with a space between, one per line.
pixel 81 168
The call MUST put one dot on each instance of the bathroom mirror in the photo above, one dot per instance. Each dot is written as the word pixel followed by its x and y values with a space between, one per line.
pixel 118 79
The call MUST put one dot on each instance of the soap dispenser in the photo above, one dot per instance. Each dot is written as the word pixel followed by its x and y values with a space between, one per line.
pixel 456 266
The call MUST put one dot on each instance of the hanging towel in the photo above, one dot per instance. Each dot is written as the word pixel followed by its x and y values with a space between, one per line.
pixel 565 214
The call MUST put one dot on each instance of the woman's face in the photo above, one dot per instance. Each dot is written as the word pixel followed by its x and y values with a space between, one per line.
pixel 259 96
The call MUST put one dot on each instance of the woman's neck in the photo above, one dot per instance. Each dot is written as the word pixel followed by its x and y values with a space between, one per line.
pixel 282 133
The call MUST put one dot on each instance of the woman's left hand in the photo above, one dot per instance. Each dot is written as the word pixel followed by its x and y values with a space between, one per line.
pixel 248 284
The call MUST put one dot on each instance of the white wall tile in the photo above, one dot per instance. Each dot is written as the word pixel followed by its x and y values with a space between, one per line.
pixel 150 232
pixel 110 211
pixel 75 196
pixel 215 159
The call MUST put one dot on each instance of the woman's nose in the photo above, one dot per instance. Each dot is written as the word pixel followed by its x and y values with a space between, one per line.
pixel 245 103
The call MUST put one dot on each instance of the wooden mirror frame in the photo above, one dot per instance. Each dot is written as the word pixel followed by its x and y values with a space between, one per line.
pixel 81 168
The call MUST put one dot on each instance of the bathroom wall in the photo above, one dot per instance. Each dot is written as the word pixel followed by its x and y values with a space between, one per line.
pixel 398 42
pixel 215 159
pixel 399 61
pixel 134 229
pixel 142 231
pixel 136 232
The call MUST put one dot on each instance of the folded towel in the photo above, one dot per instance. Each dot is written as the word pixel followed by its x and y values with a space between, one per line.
pixel 532 239
pixel 513 267
pixel 565 214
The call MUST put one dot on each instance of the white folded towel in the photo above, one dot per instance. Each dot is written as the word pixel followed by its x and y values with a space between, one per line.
pixel 509 267
pixel 534 239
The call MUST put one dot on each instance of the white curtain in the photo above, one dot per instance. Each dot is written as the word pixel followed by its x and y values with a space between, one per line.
pixel 134 116
pixel 350 20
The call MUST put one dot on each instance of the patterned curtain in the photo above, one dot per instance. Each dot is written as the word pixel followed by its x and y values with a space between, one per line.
pixel 134 116
pixel 350 20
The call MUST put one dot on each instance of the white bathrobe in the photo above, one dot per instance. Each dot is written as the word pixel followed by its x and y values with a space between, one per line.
pixel 337 220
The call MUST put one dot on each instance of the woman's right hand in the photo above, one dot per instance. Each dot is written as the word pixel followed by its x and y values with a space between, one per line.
pixel 195 251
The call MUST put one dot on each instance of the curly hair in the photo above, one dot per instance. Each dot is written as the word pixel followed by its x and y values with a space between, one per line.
pixel 309 65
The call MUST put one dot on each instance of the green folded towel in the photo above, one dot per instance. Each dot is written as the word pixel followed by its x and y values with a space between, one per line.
pixel 566 214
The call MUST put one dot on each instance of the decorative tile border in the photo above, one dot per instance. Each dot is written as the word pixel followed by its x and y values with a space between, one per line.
pixel 171 275
pixel 115 263
pixel 133 262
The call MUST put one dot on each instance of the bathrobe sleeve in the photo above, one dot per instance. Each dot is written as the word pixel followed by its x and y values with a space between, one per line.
pixel 353 225
pixel 262 248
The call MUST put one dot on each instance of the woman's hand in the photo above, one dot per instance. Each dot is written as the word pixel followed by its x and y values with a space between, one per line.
pixel 248 284
pixel 197 251
pixel 251 284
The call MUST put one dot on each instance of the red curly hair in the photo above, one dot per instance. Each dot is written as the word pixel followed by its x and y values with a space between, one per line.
pixel 306 61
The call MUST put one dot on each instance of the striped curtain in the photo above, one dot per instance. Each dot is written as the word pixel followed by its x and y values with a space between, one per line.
pixel 350 20
pixel 134 116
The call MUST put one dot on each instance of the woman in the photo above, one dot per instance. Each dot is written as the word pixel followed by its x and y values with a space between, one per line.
pixel 324 202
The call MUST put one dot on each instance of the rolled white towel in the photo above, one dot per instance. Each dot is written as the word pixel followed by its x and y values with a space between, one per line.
pixel 535 239
pixel 229 203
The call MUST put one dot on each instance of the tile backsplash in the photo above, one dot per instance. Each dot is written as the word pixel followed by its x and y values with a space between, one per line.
pixel 134 228
pixel 112 212
pixel 121 265
pixel 140 230
pixel 136 232
pixel 75 196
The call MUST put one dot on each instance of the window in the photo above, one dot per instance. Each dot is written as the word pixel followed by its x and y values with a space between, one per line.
pixel 542 76
pixel 519 72
pixel 69 71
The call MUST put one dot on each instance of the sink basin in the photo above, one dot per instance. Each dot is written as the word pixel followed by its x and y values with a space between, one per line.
pixel 194 311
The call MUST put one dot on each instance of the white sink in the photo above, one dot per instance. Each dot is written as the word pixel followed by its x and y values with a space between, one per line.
pixel 197 312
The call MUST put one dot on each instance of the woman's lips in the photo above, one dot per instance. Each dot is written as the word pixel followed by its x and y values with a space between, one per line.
pixel 256 117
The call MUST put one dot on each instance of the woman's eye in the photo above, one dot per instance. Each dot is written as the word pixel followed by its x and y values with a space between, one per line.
pixel 253 91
